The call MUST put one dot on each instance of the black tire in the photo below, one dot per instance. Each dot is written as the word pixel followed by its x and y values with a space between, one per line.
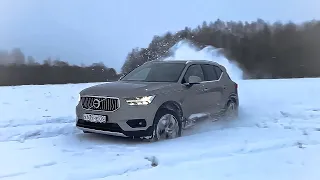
pixel 158 116
pixel 235 110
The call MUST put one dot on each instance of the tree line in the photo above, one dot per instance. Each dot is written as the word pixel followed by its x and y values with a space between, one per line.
pixel 16 69
pixel 262 49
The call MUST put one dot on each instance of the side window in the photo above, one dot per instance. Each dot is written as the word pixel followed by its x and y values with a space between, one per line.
pixel 193 70
pixel 209 72
pixel 218 70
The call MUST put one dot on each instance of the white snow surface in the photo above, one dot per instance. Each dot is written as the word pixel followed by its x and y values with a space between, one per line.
pixel 276 137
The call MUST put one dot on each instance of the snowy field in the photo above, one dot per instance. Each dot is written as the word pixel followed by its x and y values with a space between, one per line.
pixel 276 137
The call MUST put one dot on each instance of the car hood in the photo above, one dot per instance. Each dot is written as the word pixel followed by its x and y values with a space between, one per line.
pixel 125 89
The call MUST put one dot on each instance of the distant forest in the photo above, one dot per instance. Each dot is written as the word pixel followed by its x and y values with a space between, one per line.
pixel 263 50
pixel 16 69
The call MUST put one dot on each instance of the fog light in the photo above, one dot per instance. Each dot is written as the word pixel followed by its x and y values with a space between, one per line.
pixel 135 123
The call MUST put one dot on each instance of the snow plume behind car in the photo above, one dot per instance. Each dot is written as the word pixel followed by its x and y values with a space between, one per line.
pixel 185 50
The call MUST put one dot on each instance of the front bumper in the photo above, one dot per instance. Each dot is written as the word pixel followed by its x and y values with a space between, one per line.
pixel 127 121
pixel 120 133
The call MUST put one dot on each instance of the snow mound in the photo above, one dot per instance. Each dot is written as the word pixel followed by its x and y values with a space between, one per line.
pixel 42 111
pixel 53 127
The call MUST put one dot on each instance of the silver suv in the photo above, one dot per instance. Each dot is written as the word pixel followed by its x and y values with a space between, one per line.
pixel 158 100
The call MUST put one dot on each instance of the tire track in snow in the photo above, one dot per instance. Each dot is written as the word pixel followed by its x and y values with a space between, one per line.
pixel 43 121
pixel 232 150
pixel 12 175
pixel 45 164
pixel 212 154
pixel 133 164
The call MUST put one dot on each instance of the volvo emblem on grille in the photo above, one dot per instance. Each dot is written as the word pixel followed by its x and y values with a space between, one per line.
pixel 96 103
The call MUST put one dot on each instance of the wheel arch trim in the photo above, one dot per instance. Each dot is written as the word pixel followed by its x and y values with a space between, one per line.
pixel 172 105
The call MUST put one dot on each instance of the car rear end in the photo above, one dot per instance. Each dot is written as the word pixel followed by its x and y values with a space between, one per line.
pixel 233 90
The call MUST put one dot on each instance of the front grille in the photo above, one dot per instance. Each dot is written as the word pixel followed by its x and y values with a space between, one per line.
pixel 100 103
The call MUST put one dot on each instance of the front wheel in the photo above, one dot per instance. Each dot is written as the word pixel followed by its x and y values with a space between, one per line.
pixel 167 125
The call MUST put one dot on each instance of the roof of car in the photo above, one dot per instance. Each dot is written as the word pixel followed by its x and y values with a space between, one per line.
pixel 184 61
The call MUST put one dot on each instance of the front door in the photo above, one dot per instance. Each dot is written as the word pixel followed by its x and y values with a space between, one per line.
pixel 195 97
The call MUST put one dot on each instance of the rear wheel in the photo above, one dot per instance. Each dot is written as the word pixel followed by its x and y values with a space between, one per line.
pixel 231 111
pixel 167 125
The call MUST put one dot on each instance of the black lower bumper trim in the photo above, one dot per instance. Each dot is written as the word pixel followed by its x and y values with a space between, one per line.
pixel 113 127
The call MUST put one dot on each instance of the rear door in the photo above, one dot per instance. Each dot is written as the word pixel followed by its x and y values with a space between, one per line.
pixel 226 83
pixel 213 89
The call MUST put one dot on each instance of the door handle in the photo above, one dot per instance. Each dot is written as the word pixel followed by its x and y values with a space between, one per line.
pixel 205 89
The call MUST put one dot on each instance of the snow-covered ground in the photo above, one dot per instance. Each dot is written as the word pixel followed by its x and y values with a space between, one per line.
pixel 276 137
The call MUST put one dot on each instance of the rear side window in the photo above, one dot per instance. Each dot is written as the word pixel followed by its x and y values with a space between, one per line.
pixel 218 71
pixel 209 72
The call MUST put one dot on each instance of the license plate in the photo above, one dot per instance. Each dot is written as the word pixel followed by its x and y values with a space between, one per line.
pixel 95 118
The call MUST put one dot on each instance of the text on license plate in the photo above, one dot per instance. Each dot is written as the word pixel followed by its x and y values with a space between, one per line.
pixel 95 118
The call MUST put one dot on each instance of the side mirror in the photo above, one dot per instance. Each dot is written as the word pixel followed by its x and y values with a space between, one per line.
pixel 193 80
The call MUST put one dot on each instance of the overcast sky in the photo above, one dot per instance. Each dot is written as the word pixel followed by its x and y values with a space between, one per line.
pixel 87 31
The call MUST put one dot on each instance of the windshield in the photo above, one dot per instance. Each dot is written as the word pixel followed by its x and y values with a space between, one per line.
pixel 156 72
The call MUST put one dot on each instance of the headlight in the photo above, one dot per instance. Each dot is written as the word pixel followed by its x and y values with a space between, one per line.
pixel 143 100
